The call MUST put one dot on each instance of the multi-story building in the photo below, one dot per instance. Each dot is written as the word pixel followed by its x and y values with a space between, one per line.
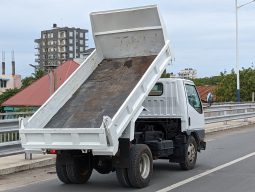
pixel 59 44
pixel 188 73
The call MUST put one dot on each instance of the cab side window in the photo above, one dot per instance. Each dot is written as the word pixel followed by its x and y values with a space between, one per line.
pixel 193 98
pixel 157 90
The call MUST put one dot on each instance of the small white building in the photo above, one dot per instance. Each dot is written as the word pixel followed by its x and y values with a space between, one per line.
pixel 188 73
pixel 9 82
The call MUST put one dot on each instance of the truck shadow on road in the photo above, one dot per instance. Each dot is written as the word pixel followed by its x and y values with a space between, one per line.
pixel 164 174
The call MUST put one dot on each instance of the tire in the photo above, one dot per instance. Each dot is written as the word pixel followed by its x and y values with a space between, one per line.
pixel 103 165
pixel 122 176
pixel 190 157
pixel 80 170
pixel 140 166
pixel 61 171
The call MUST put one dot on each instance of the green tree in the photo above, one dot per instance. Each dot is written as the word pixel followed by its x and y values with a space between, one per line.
pixel 226 84
pixel 247 83
pixel 166 75
pixel 226 90
pixel 29 80
pixel 38 74
pixel 6 95
pixel 214 80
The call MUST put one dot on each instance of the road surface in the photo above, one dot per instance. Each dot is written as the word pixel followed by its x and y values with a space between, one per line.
pixel 228 165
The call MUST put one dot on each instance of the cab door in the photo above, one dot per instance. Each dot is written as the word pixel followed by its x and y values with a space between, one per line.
pixel 195 109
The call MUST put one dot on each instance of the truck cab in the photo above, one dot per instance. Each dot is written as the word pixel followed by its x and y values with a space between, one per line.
pixel 172 118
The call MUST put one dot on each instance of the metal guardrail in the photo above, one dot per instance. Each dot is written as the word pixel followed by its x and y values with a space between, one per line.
pixel 9 127
pixel 14 115
pixel 229 112
pixel 9 134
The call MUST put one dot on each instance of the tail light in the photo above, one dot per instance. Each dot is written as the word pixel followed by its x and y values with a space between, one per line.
pixel 52 151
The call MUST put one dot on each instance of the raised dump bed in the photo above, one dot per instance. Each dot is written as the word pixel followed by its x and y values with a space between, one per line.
pixel 102 93
pixel 100 101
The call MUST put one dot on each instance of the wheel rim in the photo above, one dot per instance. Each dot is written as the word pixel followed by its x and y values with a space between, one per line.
pixel 191 153
pixel 144 166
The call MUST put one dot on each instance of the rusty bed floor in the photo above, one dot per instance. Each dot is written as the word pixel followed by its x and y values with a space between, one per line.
pixel 102 93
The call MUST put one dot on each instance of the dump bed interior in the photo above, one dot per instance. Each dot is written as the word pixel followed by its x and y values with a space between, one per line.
pixel 102 93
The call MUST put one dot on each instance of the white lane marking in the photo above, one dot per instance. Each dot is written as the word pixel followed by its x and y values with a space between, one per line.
pixel 171 187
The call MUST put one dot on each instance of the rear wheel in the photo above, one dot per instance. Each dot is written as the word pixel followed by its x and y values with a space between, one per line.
pixel 80 170
pixel 103 165
pixel 140 166
pixel 122 176
pixel 190 154
pixel 61 171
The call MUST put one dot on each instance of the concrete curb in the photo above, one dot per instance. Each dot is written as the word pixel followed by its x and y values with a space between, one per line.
pixel 228 127
pixel 30 164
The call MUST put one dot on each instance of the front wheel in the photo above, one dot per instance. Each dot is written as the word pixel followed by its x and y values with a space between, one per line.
pixel 190 156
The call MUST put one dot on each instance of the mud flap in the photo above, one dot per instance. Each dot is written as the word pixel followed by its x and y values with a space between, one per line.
pixel 121 159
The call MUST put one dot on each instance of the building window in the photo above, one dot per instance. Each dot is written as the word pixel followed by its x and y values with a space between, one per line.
pixel 62 49
pixel 70 48
pixel 44 35
pixel 81 35
pixel 62 34
pixel 70 55
pixel 71 41
pixel 70 34
pixel 62 42
pixel 50 56
pixel 3 83
pixel 81 42
pixel 63 56
pixel 81 49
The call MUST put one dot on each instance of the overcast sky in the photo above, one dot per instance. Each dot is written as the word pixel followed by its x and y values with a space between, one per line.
pixel 202 32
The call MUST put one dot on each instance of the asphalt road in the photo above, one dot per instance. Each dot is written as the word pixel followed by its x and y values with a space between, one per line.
pixel 226 166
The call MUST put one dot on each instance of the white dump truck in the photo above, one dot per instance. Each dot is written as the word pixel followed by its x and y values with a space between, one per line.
pixel 114 113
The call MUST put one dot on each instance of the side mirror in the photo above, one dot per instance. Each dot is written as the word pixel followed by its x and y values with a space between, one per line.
pixel 209 98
